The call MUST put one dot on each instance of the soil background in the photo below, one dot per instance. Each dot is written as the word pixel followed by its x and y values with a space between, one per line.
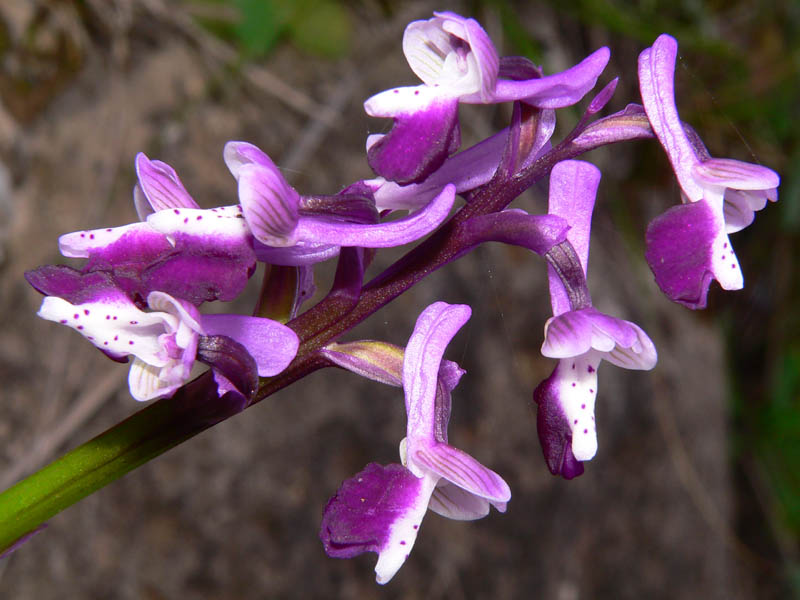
pixel 234 513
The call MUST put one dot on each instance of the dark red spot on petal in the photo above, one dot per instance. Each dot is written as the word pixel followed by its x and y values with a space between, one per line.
pixel 590 369
pixel 583 406
pixel 86 311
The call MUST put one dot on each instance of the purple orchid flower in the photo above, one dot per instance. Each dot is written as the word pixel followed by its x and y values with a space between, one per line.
pixel 177 248
pixel 381 508
pixel 166 341
pixel 579 335
pixel 457 62
pixel 297 230
pixel 688 245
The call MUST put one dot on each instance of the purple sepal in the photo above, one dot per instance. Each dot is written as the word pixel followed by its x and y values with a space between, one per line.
pixel 271 344
pixel 466 170
pixel 232 359
pixel 555 434
pixel 161 186
pixel 518 68
pixel 359 518
pixel 380 235
pixel 422 137
pixel 680 252
pixel 554 91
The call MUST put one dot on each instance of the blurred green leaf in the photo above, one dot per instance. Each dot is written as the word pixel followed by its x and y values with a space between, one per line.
pixel 261 24
pixel 321 28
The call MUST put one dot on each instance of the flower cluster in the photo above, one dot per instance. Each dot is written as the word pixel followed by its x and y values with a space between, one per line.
pixel 139 292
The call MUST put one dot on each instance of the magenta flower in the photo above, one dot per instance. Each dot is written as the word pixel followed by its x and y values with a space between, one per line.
pixel 579 336
pixel 381 508
pixel 189 253
pixel 457 62
pixel 164 341
pixel 688 245
pixel 295 230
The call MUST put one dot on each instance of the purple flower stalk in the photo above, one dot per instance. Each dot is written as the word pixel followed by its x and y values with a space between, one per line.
pixel 381 508
pixel 688 245
pixel 579 335
pixel 457 62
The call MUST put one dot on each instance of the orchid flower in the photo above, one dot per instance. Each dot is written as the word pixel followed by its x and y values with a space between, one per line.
pixel 579 335
pixel 457 62
pixel 688 245
pixel 381 508
pixel 194 254
pixel 166 341
pixel 296 230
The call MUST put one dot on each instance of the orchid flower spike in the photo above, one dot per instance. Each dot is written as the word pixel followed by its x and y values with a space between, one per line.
pixel 177 248
pixel 688 245
pixel 579 335
pixel 296 230
pixel 165 341
pixel 381 508
pixel 457 62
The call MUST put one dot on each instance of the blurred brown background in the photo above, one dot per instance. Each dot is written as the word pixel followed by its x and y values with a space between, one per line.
pixel 694 490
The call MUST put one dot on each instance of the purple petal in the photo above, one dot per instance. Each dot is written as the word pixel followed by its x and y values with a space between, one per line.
pixel 301 254
pixel 657 86
pixel 379 361
pixel 425 132
pixel 378 510
pixel 271 344
pixel 434 329
pixel 740 207
pixel 555 434
pixel 622 343
pixel 161 185
pixel 687 247
pixel 239 154
pixel 460 469
pixel 449 376
pixel 466 170
pixel 554 91
pixel 270 205
pixel 452 502
pixel 737 175
pixel 319 230
pixel 573 188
